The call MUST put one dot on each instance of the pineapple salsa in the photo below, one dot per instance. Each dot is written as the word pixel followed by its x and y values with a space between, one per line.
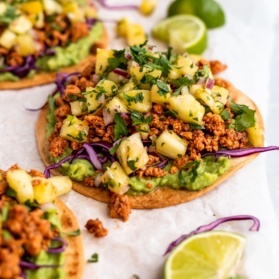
pixel 44 35
pixel 139 119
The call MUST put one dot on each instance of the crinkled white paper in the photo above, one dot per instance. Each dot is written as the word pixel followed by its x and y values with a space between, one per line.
pixel 136 247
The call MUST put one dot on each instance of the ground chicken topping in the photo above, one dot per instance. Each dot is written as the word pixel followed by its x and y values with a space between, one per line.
pixel 96 228
pixel 119 206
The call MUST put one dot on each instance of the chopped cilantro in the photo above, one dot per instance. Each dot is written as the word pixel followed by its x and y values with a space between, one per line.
pixel 163 88
pixel 94 258
pixel 73 233
pixel 118 61
pixel 139 119
pixel 80 137
pixel 245 117
pixel 194 167
pixel 225 114
pixel 138 98
pixel 196 126
pixel 6 235
pixel 31 205
pixel 4 213
pixel 171 113
pixel 181 178
pixel 120 128
pixel 10 192
pixel 180 83
pixel 9 15
pixel 132 164
pixel 115 147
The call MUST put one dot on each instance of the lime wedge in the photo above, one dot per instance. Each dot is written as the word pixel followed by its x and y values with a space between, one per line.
pixel 209 255
pixel 183 32
pixel 208 10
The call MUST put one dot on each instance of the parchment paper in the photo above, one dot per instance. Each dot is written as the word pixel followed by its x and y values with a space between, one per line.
pixel 136 247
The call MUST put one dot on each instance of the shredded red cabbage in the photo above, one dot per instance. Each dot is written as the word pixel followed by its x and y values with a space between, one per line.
pixel 21 71
pixel 161 164
pixel 28 265
pixel 59 249
pixel 61 79
pixel 213 225
pixel 93 156
pixel 241 152
pixel 104 4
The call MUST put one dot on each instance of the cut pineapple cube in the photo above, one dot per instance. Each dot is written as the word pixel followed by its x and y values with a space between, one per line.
pixel 186 65
pixel 20 181
pixel 122 27
pixel 171 145
pixel 20 25
pixel 116 105
pixel 78 108
pixel 74 129
pixel 255 135
pixel 220 94
pixel 52 7
pixel 93 101
pixel 63 184
pixel 116 179
pixel 175 73
pixel 135 35
pixel 132 154
pixel 25 44
pixel 102 61
pixel 32 7
pixel 159 98
pixel 187 108
pixel 7 39
pixel 143 130
pixel 106 87
pixel 147 6
pixel 138 100
pixel 3 8
pixel 205 98
pixel 130 85
pixel 91 12
pixel 44 191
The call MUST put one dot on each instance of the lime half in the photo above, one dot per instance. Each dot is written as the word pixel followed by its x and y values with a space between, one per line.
pixel 209 255
pixel 183 32
pixel 207 10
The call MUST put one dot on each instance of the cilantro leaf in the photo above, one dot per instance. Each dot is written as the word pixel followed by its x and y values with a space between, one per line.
pixel 225 114
pixel 132 164
pixel 163 88
pixel 139 119
pixel 180 83
pixel 115 147
pixel 118 61
pixel 9 15
pixel 245 117
pixel 139 54
pixel 164 63
pixel 94 258
pixel 120 128
pixel 138 98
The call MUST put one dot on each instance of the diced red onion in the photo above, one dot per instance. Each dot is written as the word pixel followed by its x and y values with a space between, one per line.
pixel 241 152
pixel 59 249
pixel 213 225
pixel 104 4
pixel 128 56
pixel 97 180
pixel 209 83
pixel 108 118
pixel 103 159
pixel 121 72
pixel 95 78
pixel 201 80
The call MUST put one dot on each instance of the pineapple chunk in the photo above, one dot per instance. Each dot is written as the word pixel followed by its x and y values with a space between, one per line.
pixel 147 6
pixel 52 7
pixel 220 94
pixel 138 100
pixel 106 87
pixel 44 191
pixel 116 105
pixel 116 179
pixel 186 65
pixel 74 129
pixel 132 154
pixel 130 85
pixel 174 73
pixel 171 145
pixel 122 27
pixel 20 181
pixel 25 44
pixel 3 8
pixel 21 25
pixel 143 130
pixel 255 135
pixel 187 108
pixel 157 98
pixel 135 35
pixel 93 101
pixel 205 98
pixel 40 20
pixel 7 39
pixel 115 77
pixel 102 60
pixel 63 184
pixel 32 7
pixel 78 108
pixel 91 12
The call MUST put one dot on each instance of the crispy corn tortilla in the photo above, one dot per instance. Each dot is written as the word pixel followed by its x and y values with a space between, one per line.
pixel 160 197
pixel 48 77
pixel 74 260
